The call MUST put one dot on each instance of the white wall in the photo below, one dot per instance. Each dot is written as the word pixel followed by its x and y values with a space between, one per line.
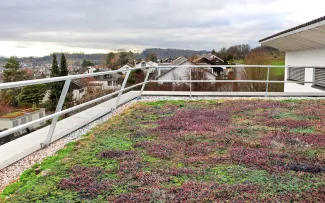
pixel 182 73
pixel 8 123
pixel 5 123
pixel 315 57
pixel 76 95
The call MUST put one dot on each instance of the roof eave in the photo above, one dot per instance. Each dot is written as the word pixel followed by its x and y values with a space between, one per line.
pixel 310 25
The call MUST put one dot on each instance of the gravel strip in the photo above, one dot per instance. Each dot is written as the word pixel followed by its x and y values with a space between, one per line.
pixel 12 172
pixel 156 98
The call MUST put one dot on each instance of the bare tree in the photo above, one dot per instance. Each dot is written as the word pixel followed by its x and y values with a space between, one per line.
pixel 256 57
pixel 259 56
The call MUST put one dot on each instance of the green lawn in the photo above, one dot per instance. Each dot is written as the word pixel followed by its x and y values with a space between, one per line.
pixel 189 151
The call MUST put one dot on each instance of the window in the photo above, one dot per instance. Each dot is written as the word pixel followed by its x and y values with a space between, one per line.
pixel 15 123
pixel 23 120
pixel 108 76
pixel 320 77
pixel 296 74
pixel 41 115
pixel 81 90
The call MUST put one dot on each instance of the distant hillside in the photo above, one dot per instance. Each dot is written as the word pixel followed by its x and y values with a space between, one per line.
pixel 71 58
pixel 77 58
pixel 172 53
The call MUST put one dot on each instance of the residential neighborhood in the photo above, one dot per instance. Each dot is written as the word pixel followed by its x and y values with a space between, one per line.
pixel 162 101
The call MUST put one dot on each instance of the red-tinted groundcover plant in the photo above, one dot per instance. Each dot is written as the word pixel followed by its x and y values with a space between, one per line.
pixel 197 151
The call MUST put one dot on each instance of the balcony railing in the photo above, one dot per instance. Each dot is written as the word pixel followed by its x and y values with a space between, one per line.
pixel 67 80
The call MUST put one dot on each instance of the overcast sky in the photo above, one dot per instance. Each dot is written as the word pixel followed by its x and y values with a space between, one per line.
pixel 39 27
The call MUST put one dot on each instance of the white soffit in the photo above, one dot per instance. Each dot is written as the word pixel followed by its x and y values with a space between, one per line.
pixel 304 38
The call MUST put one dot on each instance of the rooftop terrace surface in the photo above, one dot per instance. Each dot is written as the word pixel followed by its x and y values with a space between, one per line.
pixel 185 151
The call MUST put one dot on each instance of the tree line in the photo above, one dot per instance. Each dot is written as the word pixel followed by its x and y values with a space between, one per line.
pixel 32 95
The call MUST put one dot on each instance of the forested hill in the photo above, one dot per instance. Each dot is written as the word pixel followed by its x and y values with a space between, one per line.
pixel 172 53
pixel 98 58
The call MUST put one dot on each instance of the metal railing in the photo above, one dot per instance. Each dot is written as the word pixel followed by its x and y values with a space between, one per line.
pixel 67 81
pixel 59 111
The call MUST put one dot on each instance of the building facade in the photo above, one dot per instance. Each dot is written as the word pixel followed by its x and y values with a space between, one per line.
pixel 304 46
pixel 15 119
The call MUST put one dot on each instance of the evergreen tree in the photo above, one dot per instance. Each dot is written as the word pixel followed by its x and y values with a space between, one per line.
pixel 55 71
pixel 110 57
pixel 56 87
pixel 86 63
pixel 12 73
pixel 30 95
pixel 63 66
pixel 123 58
pixel 213 52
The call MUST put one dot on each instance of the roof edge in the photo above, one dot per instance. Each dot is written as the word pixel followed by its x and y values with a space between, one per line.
pixel 294 28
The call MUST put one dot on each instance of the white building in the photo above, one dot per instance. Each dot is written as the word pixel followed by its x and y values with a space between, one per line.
pixel 180 71
pixel 104 85
pixel 304 45
pixel 15 119
pixel 90 69
pixel 126 67
pixel 78 89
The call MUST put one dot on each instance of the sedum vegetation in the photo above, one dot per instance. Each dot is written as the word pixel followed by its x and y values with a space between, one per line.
pixel 195 151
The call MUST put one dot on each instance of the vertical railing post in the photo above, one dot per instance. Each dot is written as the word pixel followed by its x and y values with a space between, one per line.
pixel 314 77
pixel 58 109
pixel 190 82
pixel 145 80
pixel 267 81
pixel 122 89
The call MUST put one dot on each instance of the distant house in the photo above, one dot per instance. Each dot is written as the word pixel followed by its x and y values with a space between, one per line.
pixel 105 82
pixel 154 65
pixel 90 69
pixel 167 60
pixel 179 70
pixel 303 45
pixel 78 89
pixel 126 67
pixel 140 64
pixel 211 59
pixel 17 118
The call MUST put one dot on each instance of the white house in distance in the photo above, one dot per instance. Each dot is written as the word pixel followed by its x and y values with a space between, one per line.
pixel 126 67
pixel 140 65
pixel 180 71
pixel 304 45
pixel 17 118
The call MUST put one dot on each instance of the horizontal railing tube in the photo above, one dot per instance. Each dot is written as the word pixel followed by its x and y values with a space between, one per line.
pixel 58 79
pixel 239 66
pixel 26 125
pixel 72 77
pixel 230 81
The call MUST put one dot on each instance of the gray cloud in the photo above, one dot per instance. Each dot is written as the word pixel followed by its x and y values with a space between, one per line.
pixel 112 24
